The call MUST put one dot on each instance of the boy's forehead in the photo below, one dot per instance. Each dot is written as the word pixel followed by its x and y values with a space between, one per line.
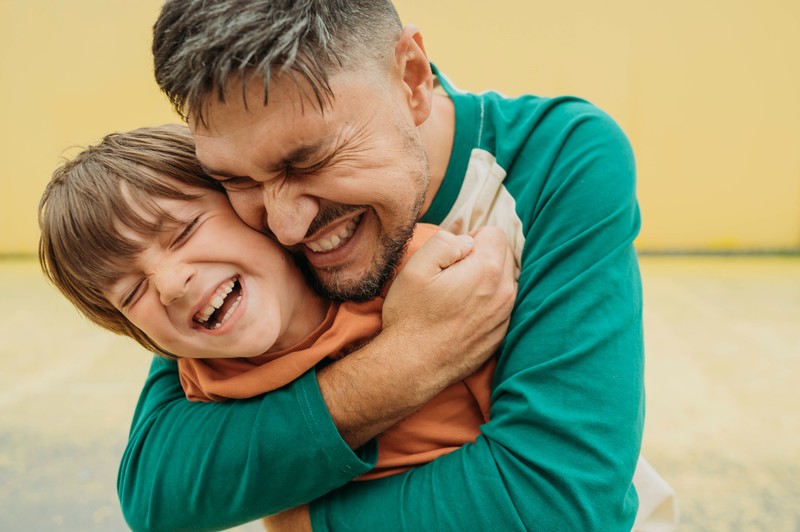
pixel 139 206
pixel 146 215
pixel 133 233
pixel 136 230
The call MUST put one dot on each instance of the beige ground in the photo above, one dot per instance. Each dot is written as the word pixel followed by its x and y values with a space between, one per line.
pixel 723 355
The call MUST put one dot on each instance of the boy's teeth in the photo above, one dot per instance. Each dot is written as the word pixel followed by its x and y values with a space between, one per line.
pixel 217 299
pixel 337 239
pixel 230 311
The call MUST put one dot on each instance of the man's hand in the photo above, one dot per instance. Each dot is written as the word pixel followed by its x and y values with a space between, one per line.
pixel 452 303
pixel 292 520
pixel 446 313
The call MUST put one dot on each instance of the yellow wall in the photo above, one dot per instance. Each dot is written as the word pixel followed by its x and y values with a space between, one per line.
pixel 707 91
pixel 70 71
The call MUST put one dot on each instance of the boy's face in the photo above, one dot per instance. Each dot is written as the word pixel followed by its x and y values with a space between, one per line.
pixel 340 189
pixel 210 286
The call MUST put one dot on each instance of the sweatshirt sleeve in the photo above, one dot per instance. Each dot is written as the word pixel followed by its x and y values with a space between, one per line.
pixel 207 466
pixel 567 402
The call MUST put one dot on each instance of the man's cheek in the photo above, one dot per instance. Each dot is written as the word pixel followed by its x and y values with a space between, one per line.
pixel 250 210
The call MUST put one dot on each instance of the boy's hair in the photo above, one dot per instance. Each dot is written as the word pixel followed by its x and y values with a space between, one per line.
pixel 200 46
pixel 95 199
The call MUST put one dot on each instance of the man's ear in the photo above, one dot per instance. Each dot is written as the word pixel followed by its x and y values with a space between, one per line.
pixel 416 73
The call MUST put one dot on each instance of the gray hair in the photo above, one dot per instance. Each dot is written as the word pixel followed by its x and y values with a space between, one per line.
pixel 199 46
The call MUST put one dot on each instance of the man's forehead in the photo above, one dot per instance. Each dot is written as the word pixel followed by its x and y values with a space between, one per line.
pixel 303 151
pixel 263 138
pixel 244 103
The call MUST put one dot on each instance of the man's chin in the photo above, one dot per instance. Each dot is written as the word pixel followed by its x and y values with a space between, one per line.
pixel 363 284
pixel 339 286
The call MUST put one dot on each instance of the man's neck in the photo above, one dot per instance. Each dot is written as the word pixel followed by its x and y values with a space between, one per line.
pixel 437 134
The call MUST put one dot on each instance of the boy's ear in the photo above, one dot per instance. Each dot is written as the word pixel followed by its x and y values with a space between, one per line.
pixel 416 73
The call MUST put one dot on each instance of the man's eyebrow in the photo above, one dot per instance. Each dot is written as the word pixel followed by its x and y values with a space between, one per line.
pixel 300 154
pixel 213 172
pixel 304 152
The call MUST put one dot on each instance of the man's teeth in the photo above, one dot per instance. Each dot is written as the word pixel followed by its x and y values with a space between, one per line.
pixel 217 299
pixel 337 239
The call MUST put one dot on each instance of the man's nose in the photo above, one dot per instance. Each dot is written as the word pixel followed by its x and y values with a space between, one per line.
pixel 172 281
pixel 289 212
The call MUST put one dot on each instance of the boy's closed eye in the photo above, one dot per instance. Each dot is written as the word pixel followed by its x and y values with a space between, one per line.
pixel 185 231
pixel 182 233
pixel 133 294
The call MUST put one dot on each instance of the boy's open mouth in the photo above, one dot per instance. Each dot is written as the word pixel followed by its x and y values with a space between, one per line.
pixel 221 305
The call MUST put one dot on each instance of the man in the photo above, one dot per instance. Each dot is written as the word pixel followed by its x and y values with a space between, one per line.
pixel 321 120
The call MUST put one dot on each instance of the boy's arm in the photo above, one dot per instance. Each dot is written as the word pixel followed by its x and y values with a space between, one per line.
pixel 215 465
pixel 567 404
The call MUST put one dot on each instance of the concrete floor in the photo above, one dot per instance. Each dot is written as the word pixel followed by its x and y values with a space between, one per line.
pixel 723 355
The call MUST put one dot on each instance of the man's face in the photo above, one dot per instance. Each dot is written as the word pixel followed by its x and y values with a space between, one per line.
pixel 340 189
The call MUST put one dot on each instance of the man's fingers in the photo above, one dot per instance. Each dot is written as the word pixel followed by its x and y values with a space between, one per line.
pixel 441 251
pixel 454 297
pixel 498 267
pixel 490 242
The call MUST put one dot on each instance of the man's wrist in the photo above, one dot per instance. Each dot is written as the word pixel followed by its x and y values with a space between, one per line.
pixel 351 460
pixel 375 387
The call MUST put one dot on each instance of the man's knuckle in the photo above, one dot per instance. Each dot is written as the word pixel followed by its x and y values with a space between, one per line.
pixel 493 270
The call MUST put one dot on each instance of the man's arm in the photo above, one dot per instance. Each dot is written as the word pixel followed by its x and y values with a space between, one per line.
pixel 429 322
pixel 199 465
pixel 215 465
pixel 567 404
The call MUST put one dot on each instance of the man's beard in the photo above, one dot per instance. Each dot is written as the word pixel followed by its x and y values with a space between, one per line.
pixel 392 250
pixel 391 247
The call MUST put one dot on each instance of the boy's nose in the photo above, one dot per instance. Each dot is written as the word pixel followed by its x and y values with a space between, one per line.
pixel 172 282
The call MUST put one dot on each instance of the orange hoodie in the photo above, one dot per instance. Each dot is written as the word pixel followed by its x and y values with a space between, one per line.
pixel 444 424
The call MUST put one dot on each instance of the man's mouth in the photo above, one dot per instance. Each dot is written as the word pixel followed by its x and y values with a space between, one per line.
pixel 221 305
pixel 335 239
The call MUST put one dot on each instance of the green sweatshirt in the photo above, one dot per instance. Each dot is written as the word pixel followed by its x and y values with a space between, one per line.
pixel 567 404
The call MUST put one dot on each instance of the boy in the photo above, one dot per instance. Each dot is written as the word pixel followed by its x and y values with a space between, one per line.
pixel 145 245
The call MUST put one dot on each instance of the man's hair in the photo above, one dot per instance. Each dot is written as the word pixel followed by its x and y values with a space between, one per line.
pixel 199 46
pixel 97 200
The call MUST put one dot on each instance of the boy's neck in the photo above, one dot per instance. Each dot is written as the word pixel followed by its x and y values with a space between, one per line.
pixel 306 313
